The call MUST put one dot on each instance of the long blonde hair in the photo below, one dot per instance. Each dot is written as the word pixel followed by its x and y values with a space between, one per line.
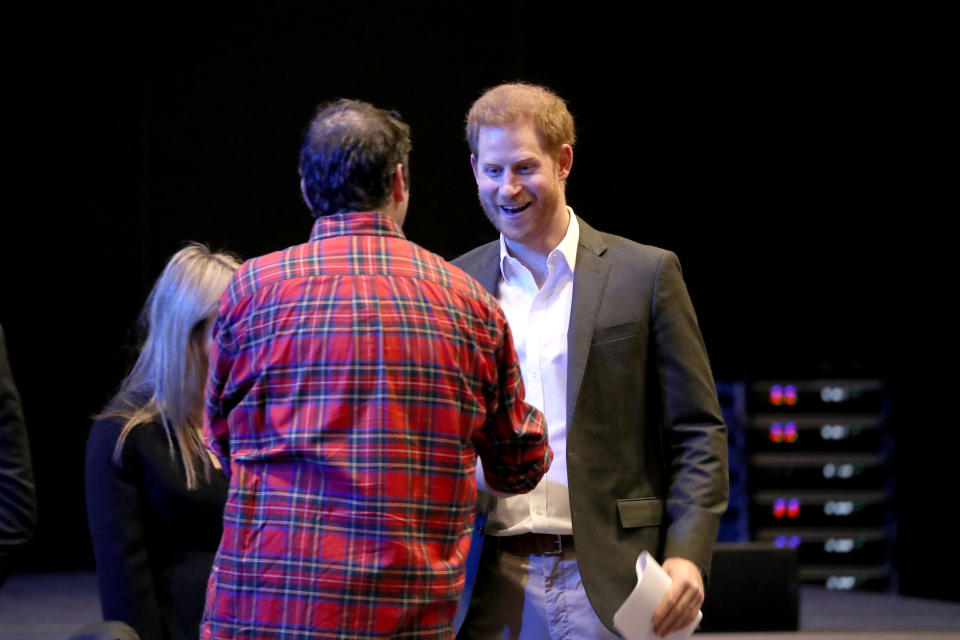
pixel 167 381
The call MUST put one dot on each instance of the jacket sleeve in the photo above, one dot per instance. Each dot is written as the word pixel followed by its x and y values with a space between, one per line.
pixel 695 438
pixel 115 511
pixel 18 508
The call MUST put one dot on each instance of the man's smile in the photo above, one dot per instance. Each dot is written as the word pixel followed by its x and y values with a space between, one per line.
pixel 512 210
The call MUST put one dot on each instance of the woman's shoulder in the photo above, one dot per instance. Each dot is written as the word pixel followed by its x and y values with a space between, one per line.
pixel 106 430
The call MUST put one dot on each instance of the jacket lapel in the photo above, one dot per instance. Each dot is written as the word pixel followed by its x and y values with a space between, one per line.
pixel 489 273
pixel 590 278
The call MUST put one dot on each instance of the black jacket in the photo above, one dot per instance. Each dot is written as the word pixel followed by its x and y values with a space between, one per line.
pixel 153 539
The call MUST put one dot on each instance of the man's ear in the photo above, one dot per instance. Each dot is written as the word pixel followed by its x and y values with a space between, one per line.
pixel 564 161
pixel 473 164
pixel 400 190
pixel 303 192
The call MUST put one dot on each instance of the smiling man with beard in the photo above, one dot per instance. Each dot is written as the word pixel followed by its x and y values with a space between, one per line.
pixel 611 352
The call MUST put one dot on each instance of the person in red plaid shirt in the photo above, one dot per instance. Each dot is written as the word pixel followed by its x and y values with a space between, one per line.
pixel 353 382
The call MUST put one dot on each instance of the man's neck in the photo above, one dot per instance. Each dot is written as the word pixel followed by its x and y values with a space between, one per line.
pixel 534 258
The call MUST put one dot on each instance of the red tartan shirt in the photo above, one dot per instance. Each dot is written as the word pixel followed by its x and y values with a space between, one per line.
pixel 353 381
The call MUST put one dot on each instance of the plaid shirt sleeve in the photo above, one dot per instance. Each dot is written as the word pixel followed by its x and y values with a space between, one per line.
pixel 513 443
pixel 216 428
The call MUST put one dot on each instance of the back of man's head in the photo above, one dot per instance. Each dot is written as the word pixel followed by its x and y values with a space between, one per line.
pixel 349 157
pixel 518 102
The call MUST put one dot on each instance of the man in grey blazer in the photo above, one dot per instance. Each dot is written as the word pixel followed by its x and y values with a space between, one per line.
pixel 611 352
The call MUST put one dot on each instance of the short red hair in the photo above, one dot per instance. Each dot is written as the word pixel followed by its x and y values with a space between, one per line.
pixel 519 102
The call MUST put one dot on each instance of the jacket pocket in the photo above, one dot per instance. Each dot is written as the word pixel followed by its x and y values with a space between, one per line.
pixel 615 333
pixel 640 512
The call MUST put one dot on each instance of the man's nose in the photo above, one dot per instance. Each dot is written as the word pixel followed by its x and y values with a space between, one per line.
pixel 510 186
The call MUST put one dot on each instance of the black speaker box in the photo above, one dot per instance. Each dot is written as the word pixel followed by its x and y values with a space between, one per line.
pixel 753 586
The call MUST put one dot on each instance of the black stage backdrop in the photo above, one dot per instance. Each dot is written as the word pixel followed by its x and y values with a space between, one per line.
pixel 795 157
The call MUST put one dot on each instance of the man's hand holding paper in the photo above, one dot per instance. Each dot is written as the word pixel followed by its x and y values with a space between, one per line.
pixel 682 601
pixel 664 604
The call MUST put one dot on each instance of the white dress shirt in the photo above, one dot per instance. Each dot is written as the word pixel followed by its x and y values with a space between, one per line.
pixel 539 320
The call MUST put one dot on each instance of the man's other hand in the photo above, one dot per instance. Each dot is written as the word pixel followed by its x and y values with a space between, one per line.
pixel 682 601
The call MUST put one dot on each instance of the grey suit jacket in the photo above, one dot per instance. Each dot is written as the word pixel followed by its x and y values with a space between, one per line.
pixel 646 444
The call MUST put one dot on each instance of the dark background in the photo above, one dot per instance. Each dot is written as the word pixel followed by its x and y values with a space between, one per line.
pixel 794 157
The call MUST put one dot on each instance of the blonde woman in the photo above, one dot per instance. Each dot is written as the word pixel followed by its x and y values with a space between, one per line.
pixel 154 494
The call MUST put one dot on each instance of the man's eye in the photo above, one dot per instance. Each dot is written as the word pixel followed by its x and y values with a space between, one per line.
pixel 492 172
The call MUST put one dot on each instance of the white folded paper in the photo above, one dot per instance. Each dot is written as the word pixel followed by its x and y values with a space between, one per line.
pixel 634 618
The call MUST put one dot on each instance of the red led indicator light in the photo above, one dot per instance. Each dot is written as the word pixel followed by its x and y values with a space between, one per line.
pixel 793 508
pixel 790 432
pixel 779 508
pixel 790 395
pixel 776 432
pixel 776 395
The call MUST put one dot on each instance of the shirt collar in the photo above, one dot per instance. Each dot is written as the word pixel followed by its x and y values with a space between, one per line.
pixel 567 248
pixel 355 223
